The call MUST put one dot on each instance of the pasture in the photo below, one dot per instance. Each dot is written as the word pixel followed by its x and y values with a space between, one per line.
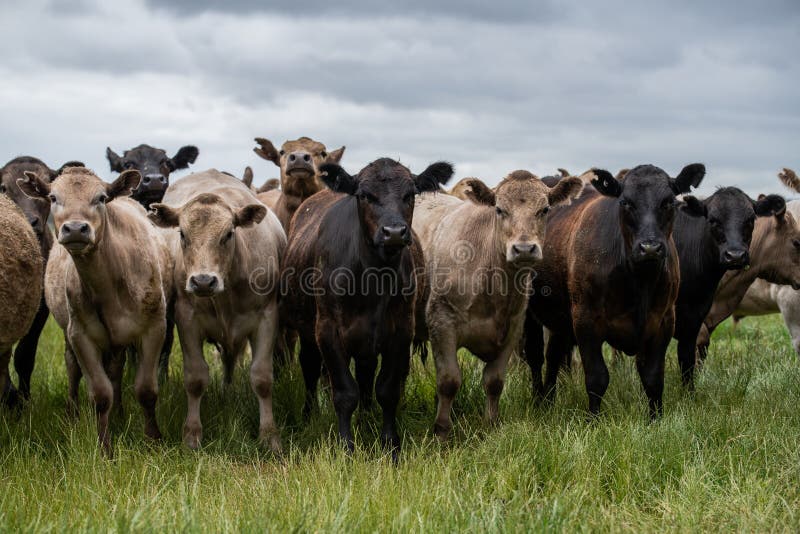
pixel 725 458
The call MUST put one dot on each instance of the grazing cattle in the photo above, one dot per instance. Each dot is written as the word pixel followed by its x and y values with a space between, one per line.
pixel 480 256
pixel 155 167
pixel 227 248
pixel 20 282
pixel 775 254
pixel 299 161
pixel 351 285
pixel 610 274
pixel 712 237
pixel 37 212
pixel 106 283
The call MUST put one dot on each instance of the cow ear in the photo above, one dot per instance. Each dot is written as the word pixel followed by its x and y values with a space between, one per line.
pixel 123 185
pixel 621 174
pixel 693 206
pixel 690 176
pixel 33 186
pixel 770 205
pixel 563 172
pixel 337 179
pixel 789 179
pixel 435 175
pixel 67 165
pixel 267 151
pixel 335 156
pixel 605 183
pixel 247 178
pixel 565 190
pixel 249 215
pixel 114 160
pixel 479 193
pixel 186 155
pixel 269 185
pixel 164 216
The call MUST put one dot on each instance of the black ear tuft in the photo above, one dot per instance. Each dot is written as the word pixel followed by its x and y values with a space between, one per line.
pixel 478 192
pixel 114 160
pixel 770 205
pixel 693 206
pixel 186 155
pixel 337 179
pixel 435 175
pixel 605 183
pixel 690 176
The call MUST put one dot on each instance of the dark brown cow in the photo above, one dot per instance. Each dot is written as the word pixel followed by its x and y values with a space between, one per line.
pixel 155 167
pixel 299 161
pixel 351 285
pixel 610 274
pixel 36 211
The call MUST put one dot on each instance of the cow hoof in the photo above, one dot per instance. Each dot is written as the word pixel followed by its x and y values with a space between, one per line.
pixel 192 438
pixel 152 432
pixel 272 440
pixel 442 432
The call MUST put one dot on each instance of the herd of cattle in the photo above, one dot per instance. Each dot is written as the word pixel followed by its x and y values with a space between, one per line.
pixel 382 262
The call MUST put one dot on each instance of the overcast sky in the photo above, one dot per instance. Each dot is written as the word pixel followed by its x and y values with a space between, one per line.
pixel 490 86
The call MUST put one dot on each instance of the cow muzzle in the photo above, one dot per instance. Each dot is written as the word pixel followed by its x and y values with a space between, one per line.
pixel 524 253
pixel 204 284
pixel 395 236
pixel 76 236
pixel 735 258
pixel 648 251
pixel 299 163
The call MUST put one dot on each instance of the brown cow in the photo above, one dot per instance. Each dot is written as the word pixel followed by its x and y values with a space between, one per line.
pixel 299 162
pixel 479 262
pixel 20 282
pixel 227 249
pixel 37 212
pixel 108 277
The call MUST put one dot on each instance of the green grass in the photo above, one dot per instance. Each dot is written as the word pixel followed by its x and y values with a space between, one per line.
pixel 727 458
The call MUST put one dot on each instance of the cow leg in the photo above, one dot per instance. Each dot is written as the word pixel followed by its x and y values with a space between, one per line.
pixel 195 381
pixel 395 363
pixel 311 365
pixel 790 311
pixel 687 359
pixel 365 377
pixel 448 379
pixel 534 354
pixel 74 375
pixel 262 343
pixel 559 348
pixel 594 366
pixel 101 390
pixel 166 350
pixel 344 386
pixel 7 393
pixel 494 375
pixel 115 369
pixel 703 341
pixel 146 384
pixel 650 364
pixel 25 353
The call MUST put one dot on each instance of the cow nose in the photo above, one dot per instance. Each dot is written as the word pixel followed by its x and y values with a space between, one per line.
pixel 525 251
pixel 299 156
pixel 152 181
pixel 651 248
pixel 735 256
pixel 395 234
pixel 75 228
pixel 203 284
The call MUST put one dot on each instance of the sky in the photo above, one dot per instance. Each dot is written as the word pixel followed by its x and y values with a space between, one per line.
pixel 489 86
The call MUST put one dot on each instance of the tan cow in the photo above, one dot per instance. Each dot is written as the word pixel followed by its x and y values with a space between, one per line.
pixel 479 262
pixel 227 248
pixel 107 283
pixel 299 161
pixel 20 281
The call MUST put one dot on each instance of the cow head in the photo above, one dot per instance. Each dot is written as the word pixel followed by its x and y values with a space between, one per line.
pixel 385 192
pixel 299 161
pixel 36 209
pixel 155 167
pixel 731 216
pixel 207 226
pixel 522 202
pixel 776 248
pixel 78 201
pixel 647 206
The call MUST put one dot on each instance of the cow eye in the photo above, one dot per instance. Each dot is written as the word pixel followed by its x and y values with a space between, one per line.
pixel 625 203
pixel 227 237
pixel 102 198
pixel 281 152
pixel 796 243
pixel 52 198
pixel 501 212
pixel 183 236
pixel 544 211
pixel 323 154
pixel 369 197
pixel 128 165
pixel 668 203
pixel 2 188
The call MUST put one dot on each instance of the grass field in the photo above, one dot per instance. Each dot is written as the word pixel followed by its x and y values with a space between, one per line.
pixel 727 458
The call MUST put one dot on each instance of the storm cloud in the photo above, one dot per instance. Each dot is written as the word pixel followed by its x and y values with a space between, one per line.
pixel 492 87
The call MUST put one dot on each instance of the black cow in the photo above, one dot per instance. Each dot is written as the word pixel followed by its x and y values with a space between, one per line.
pixel 610 274
pixel 155 167
pixel 36 211
pixel 708 246
pixel 351 285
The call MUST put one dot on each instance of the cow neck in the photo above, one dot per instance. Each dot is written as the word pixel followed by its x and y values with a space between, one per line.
pixel 96 269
